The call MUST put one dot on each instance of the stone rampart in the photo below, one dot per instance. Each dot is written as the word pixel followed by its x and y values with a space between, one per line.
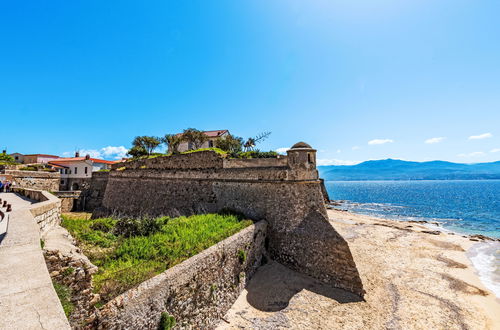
pixel 47 213
pixel 70 200
pixel 39 180
pixel 287 195
pixel 197 292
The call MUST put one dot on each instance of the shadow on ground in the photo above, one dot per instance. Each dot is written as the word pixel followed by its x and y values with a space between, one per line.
pixel 273 286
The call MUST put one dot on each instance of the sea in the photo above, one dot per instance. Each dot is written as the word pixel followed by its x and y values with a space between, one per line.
pixel 462 206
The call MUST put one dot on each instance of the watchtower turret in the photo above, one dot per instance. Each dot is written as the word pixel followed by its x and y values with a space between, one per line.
pixel 302 160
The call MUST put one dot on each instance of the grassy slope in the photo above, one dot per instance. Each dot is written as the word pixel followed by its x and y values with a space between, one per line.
pixel 127 261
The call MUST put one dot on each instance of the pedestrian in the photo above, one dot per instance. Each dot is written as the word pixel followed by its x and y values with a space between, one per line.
pixel 7 186
pixel 1 186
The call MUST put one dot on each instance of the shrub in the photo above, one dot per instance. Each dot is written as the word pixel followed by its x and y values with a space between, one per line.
pixel 258 154
pixel 138 227
pixel 242 256
pixel 167 321
pixel 217 150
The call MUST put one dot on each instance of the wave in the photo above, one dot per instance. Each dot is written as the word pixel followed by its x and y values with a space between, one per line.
pixel 486 259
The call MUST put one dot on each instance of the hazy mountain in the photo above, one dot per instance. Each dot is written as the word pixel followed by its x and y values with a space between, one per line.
pixel 394 169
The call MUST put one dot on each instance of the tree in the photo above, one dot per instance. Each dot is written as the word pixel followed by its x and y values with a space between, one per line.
pixel 194 138
pixel 136 152
pixel 172 142
pixel 253 141
pixel 144 145
pixel 231 144
pixel 6 159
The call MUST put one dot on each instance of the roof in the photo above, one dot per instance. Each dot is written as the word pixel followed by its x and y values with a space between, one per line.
pixel 215 133
pixel 300 145
pixel 77 159
pixel 43 155
pixel 58 166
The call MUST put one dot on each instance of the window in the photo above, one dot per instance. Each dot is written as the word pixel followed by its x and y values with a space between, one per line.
pixel 66 170
pixel 86 169
pixel 210 144
pixel 62 181
pixel 76 170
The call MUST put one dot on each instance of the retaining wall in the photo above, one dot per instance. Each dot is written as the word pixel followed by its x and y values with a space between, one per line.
pixel 197 292
pixel 47 213
pixel 39 180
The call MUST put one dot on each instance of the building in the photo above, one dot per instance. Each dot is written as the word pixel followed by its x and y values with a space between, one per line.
pixel 211 135
pixel 18 158
pixel 38 158
pixel 77 171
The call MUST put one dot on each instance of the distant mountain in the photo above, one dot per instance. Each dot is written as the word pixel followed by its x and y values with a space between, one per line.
pixel 394 169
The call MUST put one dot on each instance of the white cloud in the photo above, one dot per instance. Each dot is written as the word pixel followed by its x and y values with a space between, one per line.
pixel 115 152
pixel 92 152
pixel 339 151
pixel 323 162
pixel 495 150
pixel 282 151
pixel 106 152
pixel 472 154
pixel 435 140
pixel 380 141
pixel 480 136
pixel 355 148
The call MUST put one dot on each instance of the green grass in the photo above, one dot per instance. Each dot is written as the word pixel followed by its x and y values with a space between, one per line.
pixel 64 294
pixel 130 251
pixel 217 150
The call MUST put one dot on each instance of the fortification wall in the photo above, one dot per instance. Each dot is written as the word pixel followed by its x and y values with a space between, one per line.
pixel 289 198
pixel 197 292
pixel 35 179
pixel 70 200
pixel 91 196
pixel 47 213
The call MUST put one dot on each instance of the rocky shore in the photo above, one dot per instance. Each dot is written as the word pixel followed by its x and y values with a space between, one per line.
pixel 415 278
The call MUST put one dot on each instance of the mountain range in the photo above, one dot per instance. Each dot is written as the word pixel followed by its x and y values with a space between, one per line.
pixel 394 169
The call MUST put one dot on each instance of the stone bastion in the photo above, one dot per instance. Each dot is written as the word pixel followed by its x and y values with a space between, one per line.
pixel 286 192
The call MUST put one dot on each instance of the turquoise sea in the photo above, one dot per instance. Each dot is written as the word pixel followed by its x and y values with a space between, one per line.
pixel 467 207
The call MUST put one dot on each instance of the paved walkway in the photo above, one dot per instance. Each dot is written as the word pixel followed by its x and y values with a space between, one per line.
pixel 27 298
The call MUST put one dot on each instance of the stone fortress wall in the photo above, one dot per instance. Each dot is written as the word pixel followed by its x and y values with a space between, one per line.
pixel 39 180
pixel 286 192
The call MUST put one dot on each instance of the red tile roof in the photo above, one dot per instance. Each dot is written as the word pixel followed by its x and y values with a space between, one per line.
pixel 215 133
pixel 76 159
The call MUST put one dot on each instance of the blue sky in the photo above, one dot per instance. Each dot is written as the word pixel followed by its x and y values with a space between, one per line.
pixel 357 80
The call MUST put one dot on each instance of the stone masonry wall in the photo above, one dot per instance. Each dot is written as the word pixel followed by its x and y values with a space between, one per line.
pixel 91 196
pixel 197 292
pixel 47 212
pixel 39 180
pixel 289 198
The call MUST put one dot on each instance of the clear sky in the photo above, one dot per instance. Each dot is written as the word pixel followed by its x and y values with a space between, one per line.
pixel 358 80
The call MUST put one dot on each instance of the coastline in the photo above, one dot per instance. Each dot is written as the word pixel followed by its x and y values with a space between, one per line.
pixel 415 277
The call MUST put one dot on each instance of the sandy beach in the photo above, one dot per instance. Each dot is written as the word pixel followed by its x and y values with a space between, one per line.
pixel 414 277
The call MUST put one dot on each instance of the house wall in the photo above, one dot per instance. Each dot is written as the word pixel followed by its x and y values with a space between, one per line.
pixel 289 198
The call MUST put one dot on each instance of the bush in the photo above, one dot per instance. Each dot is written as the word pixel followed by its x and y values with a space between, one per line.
pixel 258 154
pixel 217 150
pixel 167 321
pixel 138 227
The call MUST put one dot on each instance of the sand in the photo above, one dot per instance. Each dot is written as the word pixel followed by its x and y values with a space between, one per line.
pixel 413 280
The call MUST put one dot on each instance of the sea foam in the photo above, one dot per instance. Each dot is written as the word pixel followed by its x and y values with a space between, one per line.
pixel 486 259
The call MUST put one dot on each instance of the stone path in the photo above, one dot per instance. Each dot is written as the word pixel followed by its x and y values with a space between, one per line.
pixel 27 297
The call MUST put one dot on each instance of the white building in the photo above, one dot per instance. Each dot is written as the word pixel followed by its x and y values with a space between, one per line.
pixel 211 137
pixel 76 171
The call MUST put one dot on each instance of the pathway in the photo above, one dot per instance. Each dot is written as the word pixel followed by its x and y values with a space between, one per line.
pixel 27 297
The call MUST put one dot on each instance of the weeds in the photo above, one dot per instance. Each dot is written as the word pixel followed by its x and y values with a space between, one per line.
pixel 131 251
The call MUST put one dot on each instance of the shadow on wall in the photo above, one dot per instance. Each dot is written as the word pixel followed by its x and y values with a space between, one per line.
pixel 274 285
pixel 316 249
